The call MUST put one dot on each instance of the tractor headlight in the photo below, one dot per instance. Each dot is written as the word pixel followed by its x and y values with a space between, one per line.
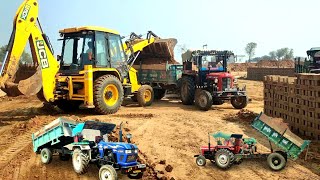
pixel 235 80
pixel 136 151
pixel 128 151
pixel 216 80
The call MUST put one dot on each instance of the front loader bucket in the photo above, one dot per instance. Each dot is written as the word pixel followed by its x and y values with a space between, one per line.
pixel 161 48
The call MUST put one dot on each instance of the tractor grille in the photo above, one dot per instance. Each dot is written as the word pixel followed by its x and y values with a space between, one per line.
pixel 226 83
pixel 131 158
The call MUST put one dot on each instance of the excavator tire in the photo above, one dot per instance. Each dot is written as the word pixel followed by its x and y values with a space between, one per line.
pixel 108 94
pixel 187 91
pixel 145 95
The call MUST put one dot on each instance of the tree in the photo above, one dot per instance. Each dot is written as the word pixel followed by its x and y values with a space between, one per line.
pixel 289 54
pixel 280 53
pixel 273 55
pixel 25 57
pixel 284 53
pixel 250 49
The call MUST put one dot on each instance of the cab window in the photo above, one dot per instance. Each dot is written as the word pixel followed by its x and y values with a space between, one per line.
pixel 102 58
pixel 116 51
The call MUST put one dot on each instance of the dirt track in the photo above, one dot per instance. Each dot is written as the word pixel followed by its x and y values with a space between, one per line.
pixel 167 131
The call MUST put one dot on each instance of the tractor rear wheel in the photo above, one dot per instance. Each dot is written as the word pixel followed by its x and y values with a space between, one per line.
pixel 203 100
pixel 108 94
pixel 239 102
pixel 145 95
pixel 201 161
pixel 46 156
pixel 107 172
pixel 159 93
pixel 224 158
pixel 276 161
pixel 187 90
pixel 80 161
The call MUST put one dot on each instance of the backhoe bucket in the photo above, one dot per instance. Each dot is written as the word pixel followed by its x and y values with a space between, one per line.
pixel 161 48
pixel 32 85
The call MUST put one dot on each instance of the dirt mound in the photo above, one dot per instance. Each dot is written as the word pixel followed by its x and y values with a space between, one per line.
pixel 244 115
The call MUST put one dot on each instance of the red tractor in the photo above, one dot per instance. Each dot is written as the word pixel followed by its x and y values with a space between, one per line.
pixel 206 81
pixel 224 154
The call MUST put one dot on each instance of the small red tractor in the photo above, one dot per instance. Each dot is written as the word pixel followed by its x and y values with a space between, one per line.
pixel 224 153
pixel 206 81
pixel 232 148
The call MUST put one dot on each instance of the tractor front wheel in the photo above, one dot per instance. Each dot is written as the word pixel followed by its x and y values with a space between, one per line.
pixel 46 156
pixel 201 161
pixel 107 172
pixel 203 100
pixel 239 102
pixel 108 94
pixel 80 161
pixel 135 175
pixel 276 161
pixel 187 90
pixel 145 95
pixel 224 158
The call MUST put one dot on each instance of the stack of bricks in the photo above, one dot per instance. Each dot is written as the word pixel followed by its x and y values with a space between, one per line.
pixel 296 100
pixel 254 73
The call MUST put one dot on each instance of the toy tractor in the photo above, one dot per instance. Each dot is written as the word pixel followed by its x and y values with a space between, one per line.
pixel 91 146
pixel 206 81
pixel 223 154
pixel 88 143
pixel 232 149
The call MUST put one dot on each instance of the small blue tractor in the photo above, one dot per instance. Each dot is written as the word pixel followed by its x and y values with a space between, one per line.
pixel 86 143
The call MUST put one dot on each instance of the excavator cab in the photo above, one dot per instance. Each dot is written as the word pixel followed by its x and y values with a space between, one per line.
pixel 99 47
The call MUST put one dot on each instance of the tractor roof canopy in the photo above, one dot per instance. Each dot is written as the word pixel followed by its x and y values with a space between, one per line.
pixel 88 28
pixel 187 56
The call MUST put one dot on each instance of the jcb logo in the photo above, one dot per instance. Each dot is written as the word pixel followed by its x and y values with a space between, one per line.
pixel 25 12
pixel 42 54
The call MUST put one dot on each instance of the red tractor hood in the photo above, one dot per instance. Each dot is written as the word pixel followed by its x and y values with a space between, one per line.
pixel 220 74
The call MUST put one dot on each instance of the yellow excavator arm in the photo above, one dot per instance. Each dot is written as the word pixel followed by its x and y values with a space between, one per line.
pixel 26 27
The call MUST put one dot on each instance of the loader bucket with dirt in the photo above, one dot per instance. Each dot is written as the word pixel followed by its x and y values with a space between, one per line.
pixel 161 51
pixel 161 48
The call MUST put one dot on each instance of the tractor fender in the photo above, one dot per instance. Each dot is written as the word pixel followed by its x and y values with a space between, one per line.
pixel 82 147
pixel 85 148
pixel 284 154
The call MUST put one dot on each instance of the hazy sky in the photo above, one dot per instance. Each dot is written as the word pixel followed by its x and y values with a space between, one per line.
pixel 223 24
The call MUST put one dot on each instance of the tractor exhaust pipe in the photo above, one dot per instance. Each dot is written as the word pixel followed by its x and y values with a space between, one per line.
pixel 120 133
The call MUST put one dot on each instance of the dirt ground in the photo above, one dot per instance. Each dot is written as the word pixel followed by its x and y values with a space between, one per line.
pixel 167 130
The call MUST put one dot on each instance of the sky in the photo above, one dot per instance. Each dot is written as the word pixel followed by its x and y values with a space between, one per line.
pixel 221 24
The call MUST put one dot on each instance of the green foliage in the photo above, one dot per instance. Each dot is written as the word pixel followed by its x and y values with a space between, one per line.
pixel 250 49
pixel 24 59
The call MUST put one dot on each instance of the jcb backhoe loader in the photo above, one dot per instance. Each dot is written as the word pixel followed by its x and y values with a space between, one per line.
pixel 93 71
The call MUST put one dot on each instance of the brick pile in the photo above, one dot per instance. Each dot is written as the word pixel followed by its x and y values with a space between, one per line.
pixel 296 100
pixel 255 73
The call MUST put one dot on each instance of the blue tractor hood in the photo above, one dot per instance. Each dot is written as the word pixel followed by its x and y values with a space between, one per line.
pixel 117 145
pixel 104 128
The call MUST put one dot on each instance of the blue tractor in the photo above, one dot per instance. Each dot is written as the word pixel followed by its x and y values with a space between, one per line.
pixel 88 143
pixel 91 146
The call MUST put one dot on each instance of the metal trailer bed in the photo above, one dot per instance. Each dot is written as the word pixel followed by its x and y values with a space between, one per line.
pixel 280 135
pixel 54 136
